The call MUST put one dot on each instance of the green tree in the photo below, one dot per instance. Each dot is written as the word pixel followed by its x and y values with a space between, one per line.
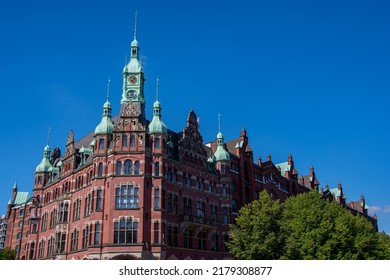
pixel 7 254
pixel 315 228
pixel 306 226
pixel 384 240
pixel 255 233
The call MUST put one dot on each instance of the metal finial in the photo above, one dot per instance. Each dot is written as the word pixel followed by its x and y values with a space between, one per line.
pixel 48 136
pixel 135 25
pixel 108 89
pixel 219 122
pixel 157 88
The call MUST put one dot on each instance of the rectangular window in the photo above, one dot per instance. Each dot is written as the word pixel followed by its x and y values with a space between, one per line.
pixel 172 203
pixel 124 140
pixel 99 200
pixel 76 209
pixel 85 237
pixel 125 231
pixel 41 249
pixel 157 143
pixel 126 196
pixel 96 240
pixel 60 240
pixel 187 238
pixel 74 240
pixel 156 198
pixel 215 242
pixel 101 144
pixel 132 140
pixel 202 237
pixel 32 250
pixel 50 247
pixel 214 213
pixel 201 209
pixel 156 232
pixel 87 207
pixel 172 235
pixel 187 203
pixel 225 215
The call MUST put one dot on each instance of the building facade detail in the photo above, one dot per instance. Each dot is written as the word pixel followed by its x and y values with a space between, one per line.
pixel 134 189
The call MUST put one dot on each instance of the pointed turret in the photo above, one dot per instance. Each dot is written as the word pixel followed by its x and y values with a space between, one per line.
pixel 157 125
pixel 45 164
pixel 220 154
pixel 133 75
pixel 43 170
pixel 105 126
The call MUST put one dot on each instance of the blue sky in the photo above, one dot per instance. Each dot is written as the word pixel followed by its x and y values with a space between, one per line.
pixel 310 78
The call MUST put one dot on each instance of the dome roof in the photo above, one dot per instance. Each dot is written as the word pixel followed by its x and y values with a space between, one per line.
pixel 105 126
pixel 45 164
pixel 157 126
pixel 221 154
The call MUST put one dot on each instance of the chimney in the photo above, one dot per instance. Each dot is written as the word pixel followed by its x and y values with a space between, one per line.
pixel 259 161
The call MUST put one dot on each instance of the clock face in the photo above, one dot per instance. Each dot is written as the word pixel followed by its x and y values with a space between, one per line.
pixel 133 79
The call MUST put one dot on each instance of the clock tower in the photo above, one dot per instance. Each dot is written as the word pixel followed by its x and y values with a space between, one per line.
pixel 133 75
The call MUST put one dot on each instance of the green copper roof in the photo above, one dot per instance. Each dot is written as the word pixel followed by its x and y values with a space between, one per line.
pixel 45 164
pixel 157 125
pixel 105 126
pixel 21 198
pixel 336 192
pixel 221 153
pixel 284 166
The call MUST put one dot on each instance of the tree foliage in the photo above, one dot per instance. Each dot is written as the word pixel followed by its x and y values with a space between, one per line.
pixel 304 227
pixel 7 254
pixel 255 235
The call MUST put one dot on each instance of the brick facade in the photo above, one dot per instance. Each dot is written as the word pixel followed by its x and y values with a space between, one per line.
pixel 133 194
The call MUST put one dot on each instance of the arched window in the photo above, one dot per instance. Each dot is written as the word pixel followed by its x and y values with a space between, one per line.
pixel 157 169
pixel 136 167
pixel 118 168
pixel 100 169
pixel 128 167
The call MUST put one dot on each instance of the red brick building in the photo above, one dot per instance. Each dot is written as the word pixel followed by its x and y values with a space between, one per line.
pixel 133 189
